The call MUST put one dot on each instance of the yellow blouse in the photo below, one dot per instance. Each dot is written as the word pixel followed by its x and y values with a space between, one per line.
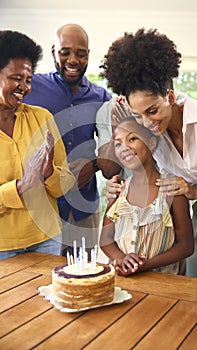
pixel 33 218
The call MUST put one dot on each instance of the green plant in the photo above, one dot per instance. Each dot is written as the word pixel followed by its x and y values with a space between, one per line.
pixel 185 82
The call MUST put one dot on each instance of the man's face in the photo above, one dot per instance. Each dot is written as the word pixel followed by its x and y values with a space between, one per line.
pixel 71 56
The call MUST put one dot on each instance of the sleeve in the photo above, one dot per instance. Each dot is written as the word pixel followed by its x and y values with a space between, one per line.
pixel 62 180
pixel 120 206
pixel 9 197
pixel 103 123
pixel 112 212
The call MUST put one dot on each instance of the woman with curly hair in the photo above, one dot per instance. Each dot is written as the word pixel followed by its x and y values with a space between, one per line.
pixel 142 66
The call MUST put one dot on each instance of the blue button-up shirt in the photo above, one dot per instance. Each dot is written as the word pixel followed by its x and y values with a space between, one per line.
pixel 76 120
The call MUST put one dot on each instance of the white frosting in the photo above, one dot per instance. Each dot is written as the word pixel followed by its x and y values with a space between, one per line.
pixel 74 269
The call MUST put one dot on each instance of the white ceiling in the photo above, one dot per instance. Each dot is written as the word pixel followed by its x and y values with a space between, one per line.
pixel 104 21
pixel 113 5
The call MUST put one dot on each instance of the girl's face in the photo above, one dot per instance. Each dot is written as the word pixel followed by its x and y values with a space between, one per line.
pixel 130 149
pixel 154 112
pixel 15 82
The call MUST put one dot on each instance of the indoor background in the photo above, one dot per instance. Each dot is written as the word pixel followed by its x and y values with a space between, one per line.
pixel 104 21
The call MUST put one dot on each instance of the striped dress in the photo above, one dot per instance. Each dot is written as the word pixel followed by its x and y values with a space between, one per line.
pixel 148 231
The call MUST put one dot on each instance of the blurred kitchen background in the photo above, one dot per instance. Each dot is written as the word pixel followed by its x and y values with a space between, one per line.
pixel 105 21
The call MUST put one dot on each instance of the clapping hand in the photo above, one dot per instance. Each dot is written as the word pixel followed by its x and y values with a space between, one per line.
pixel 39 166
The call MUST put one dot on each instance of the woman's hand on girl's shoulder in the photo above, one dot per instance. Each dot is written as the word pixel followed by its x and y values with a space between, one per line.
pixel 176 186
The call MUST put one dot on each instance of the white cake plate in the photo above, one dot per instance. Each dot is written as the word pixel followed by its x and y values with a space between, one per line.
pixel 120 295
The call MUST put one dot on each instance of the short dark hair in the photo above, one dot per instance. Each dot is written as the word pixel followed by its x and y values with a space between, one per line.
pixel 18 45
pixel 141 61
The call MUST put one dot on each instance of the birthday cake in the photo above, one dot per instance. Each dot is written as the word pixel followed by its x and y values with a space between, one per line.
pixel 76 289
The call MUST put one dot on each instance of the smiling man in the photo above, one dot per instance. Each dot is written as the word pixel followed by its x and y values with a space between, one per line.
pixel 74 101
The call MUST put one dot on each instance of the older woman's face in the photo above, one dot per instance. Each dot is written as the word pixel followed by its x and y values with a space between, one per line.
pixel 154 112
pixel 15 82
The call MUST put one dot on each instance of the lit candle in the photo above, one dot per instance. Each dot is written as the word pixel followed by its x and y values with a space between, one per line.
pixel 92 259
pixel 75 251
pixel 94 256
pixel 81 267
pixel 86 260
pixel 83 253
pixel 71 260
pixel 68 258
pixel 83 246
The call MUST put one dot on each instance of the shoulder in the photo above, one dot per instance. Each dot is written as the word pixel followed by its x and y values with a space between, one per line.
pixel 190 110
pixel 107 105
pixel 36 110
pixel 97 90
pixel 179 95
pixel 179 204
pixel 104 112
pixel 45 78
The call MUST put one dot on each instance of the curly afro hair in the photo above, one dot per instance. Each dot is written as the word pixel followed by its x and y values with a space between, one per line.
pixel 17 45
pixel 141 61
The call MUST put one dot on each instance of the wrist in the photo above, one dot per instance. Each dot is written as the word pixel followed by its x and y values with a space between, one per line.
pixel 21 187
pixel 48 173
pixel 194 191
pixel 192 195
pixel 94 165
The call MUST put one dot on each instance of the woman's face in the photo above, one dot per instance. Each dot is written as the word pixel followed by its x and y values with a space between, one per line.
pixel 154 112
pixel 15 82
pixel 130 149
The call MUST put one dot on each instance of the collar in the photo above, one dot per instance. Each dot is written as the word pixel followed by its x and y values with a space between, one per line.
pixel 189 111
pixel 84 82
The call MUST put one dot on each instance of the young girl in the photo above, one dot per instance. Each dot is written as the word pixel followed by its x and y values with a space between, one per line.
pixel 143 230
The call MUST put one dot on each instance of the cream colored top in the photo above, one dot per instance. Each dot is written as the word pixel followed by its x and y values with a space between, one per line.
pixel 148 231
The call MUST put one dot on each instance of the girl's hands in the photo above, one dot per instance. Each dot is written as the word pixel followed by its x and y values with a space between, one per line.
pixel 129 265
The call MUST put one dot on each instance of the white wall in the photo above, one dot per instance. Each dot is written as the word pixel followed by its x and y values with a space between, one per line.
pixel 104 22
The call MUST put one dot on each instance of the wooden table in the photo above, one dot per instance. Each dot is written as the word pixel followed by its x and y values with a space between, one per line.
pixel 162 313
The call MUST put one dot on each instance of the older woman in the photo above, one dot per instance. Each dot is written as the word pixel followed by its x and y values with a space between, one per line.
pixel 141 66
pixel 34 169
